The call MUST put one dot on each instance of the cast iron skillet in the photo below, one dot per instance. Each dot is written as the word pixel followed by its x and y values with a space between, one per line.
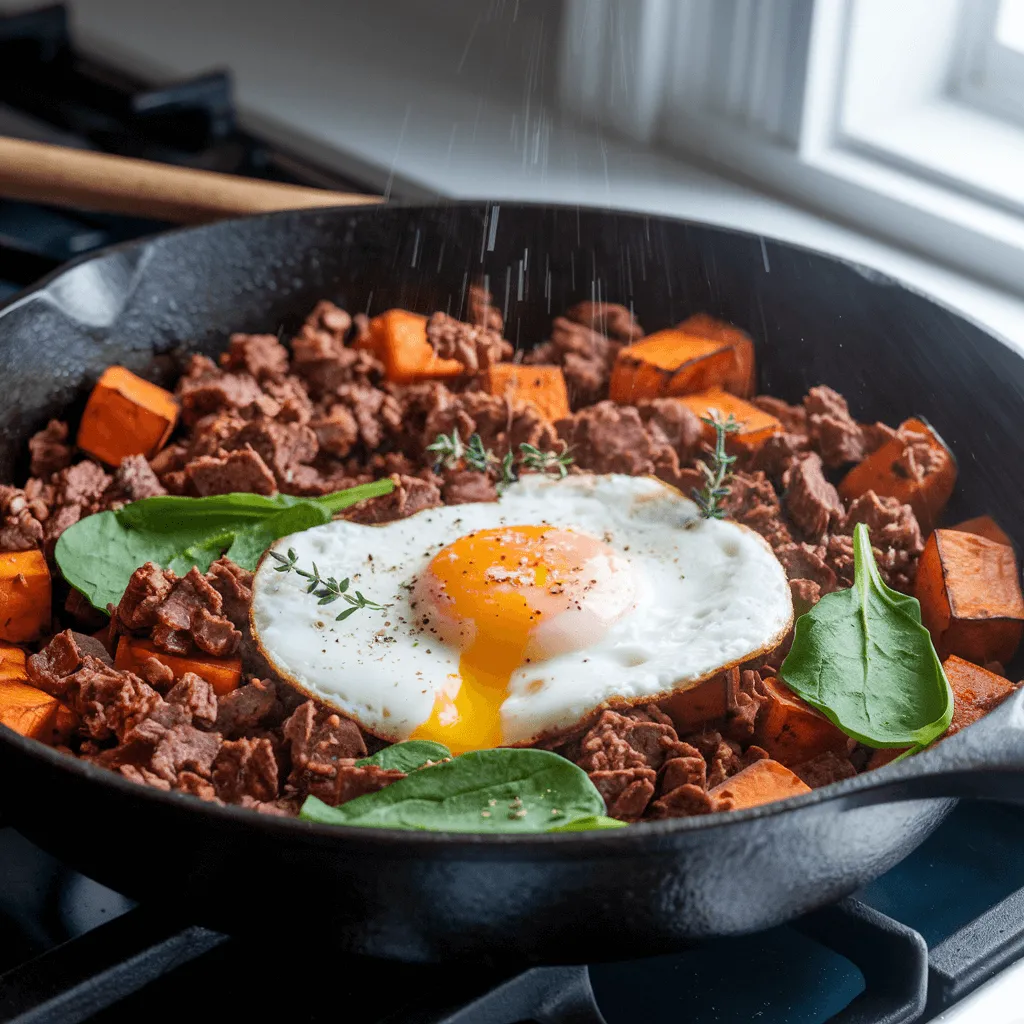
pixel 547 898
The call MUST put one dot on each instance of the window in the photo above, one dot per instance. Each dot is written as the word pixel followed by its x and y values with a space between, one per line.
pixel 991 71
pixel 906 118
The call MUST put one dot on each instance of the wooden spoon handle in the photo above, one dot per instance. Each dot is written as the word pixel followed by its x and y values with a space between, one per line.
pixel 59 176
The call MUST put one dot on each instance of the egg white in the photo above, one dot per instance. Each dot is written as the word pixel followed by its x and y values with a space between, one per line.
pixel 709 594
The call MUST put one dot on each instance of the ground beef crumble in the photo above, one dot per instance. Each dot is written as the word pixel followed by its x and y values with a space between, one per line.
pixel 314 414
pixel 585 343
pixel 477 348
pixel 49 450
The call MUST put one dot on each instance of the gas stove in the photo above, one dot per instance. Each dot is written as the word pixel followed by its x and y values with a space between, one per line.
pixel 915 945
pixel 50 93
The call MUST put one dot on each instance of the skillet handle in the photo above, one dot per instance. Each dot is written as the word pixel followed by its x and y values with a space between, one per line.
pixel 40 173
pixel 984 761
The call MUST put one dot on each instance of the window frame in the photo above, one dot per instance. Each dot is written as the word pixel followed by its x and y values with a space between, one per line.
pixel 763 91
pixel 988 75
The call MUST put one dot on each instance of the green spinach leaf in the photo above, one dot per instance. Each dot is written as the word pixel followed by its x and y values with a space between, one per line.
pixel 501 790
pixel 408 756
pixel 98 554
pixel 597 823
pixel 862 657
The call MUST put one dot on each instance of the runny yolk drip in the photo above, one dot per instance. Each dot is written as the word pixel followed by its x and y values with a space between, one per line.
pixel 488 593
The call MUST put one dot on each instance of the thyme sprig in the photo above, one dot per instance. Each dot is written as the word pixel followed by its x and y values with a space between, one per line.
pixel 543 462
pixel 509 474
pixel 715 476
pixel 328 590
pixel 451 450
pixel 477 456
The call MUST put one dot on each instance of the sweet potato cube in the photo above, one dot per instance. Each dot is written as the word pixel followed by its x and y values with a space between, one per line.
pixel 705 702
pixel 33 713
pixel 24 595
pixel 544 386
pixel 398 339
pixel 984 526
pixel 704 326
pixel 223 674
pixel 672 363
pixel 970 595
pixel 13 663
pixel 126 415
pixel 915 466
pixel 756 426
pixel 761 783
pixel 976 691
pixel 791 730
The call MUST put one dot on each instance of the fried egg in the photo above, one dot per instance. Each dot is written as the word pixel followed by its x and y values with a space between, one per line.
pixel 505 623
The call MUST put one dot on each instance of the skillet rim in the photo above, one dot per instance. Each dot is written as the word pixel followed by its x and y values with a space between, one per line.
pixel 538 842
pixel 618 841
pixel 869 273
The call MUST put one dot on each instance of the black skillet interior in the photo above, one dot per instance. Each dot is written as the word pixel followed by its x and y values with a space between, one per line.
pixel 815 320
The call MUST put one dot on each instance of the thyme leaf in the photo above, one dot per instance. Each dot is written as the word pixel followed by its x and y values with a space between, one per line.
pixel 543 462
pixel 509 475
pixel 709 499
pixel 450 451
pixel 326 591
pixel 477 456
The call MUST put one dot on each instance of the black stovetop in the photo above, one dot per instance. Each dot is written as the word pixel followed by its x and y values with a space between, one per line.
pixel 911 943
pixel 908 945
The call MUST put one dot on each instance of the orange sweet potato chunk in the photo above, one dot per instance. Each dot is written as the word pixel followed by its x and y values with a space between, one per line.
pixel 976 691
pixel 24 595
pixel 13 662
pixel 223 674
pixel 705 702
pixel 34 714
pixel 761 783
pixel 671 363
pixel 544 386
pixel 26 709
pixel 398 339
pixel 704 326
pixel 890 473
pixel 756 426
pixel 984 526
pixel 126 415
pixel 970 595
pixel 791 730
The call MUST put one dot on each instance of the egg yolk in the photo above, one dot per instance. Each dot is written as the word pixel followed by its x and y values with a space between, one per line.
pixel 508 597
